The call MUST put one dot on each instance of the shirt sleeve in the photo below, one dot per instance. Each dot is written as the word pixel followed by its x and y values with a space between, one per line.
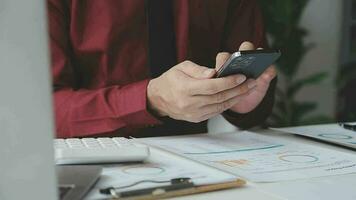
pixel 83 112
pixel 245 19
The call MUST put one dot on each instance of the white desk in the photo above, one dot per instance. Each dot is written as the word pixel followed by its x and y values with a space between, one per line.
pixel 325 188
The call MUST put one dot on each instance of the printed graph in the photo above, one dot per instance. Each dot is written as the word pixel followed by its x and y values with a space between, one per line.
pixel 299 158
pixel 335 136
pixel 234 150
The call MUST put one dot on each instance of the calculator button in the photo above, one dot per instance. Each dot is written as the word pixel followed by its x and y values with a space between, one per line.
pixel 97 150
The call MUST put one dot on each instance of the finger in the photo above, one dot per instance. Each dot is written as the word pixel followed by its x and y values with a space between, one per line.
pixel 218 108
pixel 232 102
pixel 268 75
pixel 216 85
pixel 246 46
pixel 207 116
pixel 195 71
pixel 221 58
pixel 208 111
pixel 226 95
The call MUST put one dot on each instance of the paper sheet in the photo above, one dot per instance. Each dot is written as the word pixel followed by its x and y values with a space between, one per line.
pixel 160 167
pixel 330 132
pixel 257 157
pixel 339 187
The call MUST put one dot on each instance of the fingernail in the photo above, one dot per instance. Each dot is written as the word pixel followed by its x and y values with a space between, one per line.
pixel 251 84
pixel 208 72
pixel 240 79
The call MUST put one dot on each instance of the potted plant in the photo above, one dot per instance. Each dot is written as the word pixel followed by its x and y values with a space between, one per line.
pixel 282 22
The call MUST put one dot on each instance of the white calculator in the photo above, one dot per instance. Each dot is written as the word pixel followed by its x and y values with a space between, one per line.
pixel 98 150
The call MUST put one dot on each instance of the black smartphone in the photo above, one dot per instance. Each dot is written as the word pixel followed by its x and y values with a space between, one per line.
pixel 249 63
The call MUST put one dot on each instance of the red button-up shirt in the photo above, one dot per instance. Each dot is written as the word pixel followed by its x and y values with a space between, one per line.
pixel 99 57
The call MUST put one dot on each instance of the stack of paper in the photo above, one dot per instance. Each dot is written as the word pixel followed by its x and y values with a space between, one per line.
pixel 329 132
pixel 257 157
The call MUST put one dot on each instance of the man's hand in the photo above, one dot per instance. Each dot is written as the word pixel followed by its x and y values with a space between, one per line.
pixel 253 98
pixel 188 92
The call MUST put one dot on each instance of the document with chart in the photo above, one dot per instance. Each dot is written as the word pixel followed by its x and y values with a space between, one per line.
pixel 257 157
pixel 157 171
pixel 329 132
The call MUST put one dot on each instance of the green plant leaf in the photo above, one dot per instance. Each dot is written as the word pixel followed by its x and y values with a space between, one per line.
pixel 282 22
pixel 282 19
pixel 310 80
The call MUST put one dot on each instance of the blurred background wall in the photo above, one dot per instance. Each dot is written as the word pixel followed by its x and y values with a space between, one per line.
pixel 324 21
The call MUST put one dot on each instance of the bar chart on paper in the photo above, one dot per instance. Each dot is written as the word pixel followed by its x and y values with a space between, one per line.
pixel 258 158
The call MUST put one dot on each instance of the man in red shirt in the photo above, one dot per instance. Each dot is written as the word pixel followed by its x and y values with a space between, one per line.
pixel 103 72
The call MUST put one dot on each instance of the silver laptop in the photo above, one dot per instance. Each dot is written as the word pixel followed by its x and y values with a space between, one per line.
pixel 27 169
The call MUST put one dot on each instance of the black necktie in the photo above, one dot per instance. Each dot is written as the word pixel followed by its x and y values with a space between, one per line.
pixel 161 37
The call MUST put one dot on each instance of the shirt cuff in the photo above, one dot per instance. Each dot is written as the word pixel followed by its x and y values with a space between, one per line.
pixel 132 104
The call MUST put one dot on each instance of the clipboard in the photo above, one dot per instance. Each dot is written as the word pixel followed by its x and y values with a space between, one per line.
pixel 194 189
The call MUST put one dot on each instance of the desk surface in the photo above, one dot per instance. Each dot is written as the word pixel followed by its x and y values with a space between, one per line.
pixel 332 187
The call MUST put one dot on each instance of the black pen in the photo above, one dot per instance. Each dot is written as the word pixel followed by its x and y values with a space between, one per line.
pixel 155 190
pixel 348 126
pixel 176 184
